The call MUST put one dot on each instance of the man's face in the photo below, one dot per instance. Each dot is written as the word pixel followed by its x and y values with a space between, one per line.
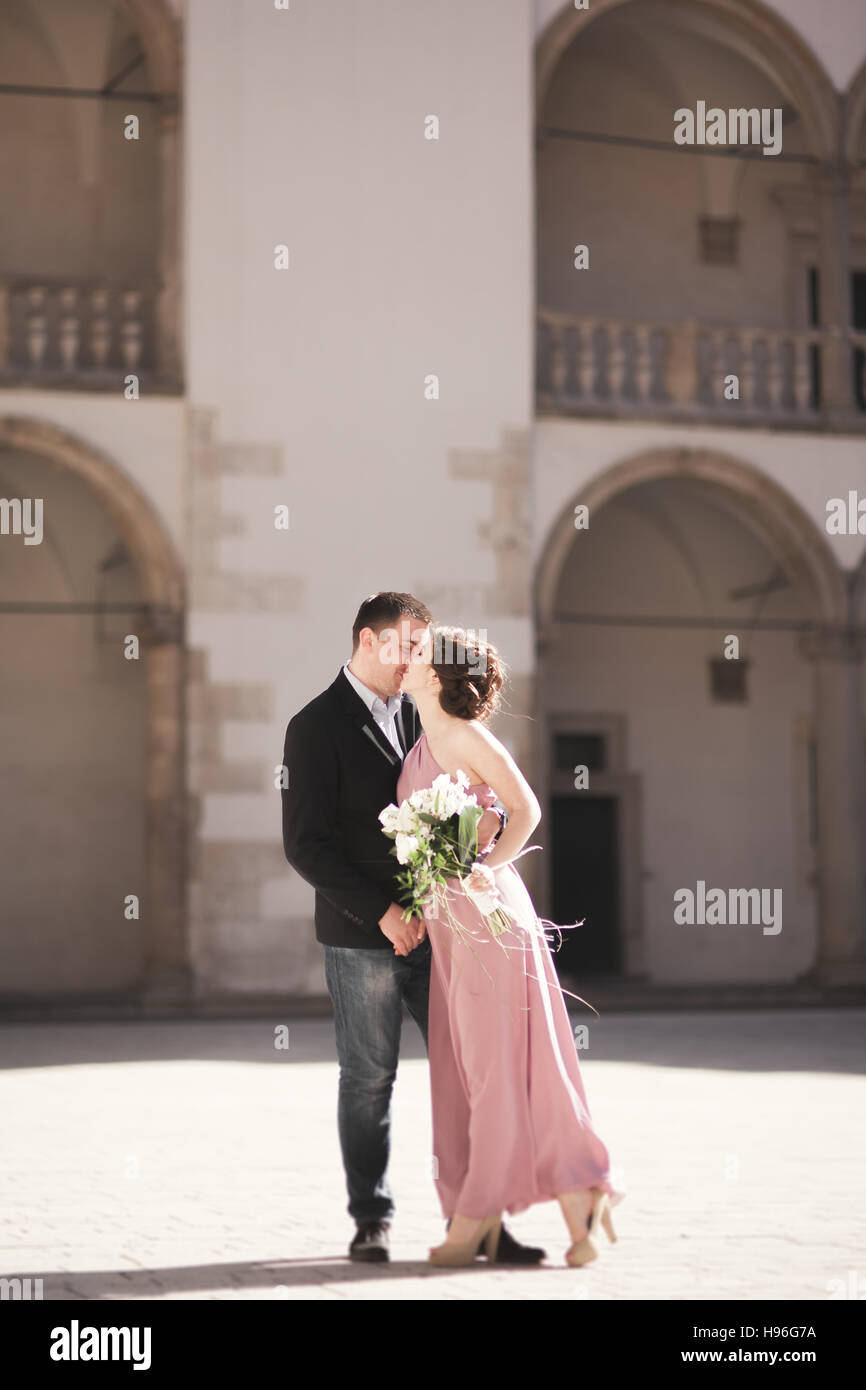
pixel 395 647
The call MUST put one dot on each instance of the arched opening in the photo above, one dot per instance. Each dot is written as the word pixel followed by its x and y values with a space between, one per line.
pixel 93 826
pixel 854 148
pixel 90 148
pixel 160 33
pixel 678 732
pixel 750 25
pixel 855 120
pixel 667 266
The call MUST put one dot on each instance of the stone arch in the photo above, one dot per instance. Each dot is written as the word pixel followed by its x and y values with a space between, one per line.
pixel 788 54
pixel 159 569
pixel 786 528
pixel 160 33
pixel 857 590
pixel 855 114
pixel 160 574
pixel 829 645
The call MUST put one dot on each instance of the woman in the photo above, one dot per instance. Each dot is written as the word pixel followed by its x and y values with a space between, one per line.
pixel 511 1125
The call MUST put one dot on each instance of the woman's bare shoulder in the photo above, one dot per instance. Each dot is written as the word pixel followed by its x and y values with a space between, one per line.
pixel 475 737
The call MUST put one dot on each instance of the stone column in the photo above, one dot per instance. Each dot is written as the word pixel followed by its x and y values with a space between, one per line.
pixel 836 654
pixel 167 975
pixel 681 367
pixel 169 352
pixel 835 289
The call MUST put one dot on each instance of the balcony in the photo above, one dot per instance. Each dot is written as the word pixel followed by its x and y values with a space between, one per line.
pixel 80 334
pixel 787 378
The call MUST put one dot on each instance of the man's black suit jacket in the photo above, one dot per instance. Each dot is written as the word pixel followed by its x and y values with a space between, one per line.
pixel 342 772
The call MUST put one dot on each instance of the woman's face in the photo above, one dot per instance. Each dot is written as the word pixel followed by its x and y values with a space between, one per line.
pixel 419 672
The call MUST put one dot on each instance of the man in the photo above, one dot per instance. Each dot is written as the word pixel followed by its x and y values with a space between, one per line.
pixel 344 752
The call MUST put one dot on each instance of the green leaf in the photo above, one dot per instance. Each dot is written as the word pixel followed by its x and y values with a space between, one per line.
pixel 467 833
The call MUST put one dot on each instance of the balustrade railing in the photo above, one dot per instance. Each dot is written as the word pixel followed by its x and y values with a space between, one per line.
pixel 598 365
pixel 75 332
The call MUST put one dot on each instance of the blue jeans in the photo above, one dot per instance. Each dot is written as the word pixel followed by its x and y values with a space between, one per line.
pixel 368 989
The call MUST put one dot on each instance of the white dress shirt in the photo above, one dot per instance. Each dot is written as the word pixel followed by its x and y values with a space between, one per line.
pixel 384 714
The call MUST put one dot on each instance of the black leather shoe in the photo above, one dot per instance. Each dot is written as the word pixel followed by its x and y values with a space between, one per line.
pixel 510 1252
pixel 371 1241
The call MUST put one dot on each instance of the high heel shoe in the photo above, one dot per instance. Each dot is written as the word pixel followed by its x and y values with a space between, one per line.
pixel 450 1253
pixel 582 1251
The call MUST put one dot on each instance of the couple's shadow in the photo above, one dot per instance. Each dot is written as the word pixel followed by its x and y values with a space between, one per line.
pixel 272 1277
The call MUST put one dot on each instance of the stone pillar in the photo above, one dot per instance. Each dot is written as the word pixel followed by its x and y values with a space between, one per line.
pixel 836 654
pixel 681 365
pixel 169 352
pixel 834 291
pixel 167 976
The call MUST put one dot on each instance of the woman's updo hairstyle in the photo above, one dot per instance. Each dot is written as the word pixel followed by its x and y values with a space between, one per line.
pixel 471 672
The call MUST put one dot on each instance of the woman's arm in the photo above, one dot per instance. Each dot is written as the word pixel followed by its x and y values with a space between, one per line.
pixel 495 766
pixel 488 829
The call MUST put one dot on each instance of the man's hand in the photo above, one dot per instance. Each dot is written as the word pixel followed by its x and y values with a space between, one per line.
pixel 405 935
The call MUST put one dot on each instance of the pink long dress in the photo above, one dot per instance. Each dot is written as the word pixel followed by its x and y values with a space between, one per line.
pixel 511 1124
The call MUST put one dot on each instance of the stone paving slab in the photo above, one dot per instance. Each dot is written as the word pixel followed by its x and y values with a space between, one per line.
pixel 194 1160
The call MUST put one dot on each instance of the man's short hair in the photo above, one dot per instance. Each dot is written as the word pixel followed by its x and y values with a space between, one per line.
pixel 385 610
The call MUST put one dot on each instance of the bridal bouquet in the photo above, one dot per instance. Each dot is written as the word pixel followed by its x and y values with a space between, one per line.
pixel 435 834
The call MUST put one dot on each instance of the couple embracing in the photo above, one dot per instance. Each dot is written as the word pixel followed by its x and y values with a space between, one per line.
pixel 511 1125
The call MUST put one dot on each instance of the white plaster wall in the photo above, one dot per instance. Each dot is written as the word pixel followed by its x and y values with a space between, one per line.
pixel 408 257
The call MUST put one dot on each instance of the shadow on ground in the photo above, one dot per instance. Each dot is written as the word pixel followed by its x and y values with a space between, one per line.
pixel 269 1276
pixel 800 1040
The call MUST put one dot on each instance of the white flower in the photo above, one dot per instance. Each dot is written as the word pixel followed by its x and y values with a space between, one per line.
pixel 388 817
pixel 402 819
pixel 451 796
pixel 406 847
pixel 406 818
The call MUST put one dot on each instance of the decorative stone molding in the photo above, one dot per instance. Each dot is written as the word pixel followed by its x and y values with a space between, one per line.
pixel 210 704
pixel 238 946
pixel 506 531
pixel 212 588
pixel 237 949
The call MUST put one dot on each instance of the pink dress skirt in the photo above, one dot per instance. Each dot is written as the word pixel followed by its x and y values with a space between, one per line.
pixel 511 1124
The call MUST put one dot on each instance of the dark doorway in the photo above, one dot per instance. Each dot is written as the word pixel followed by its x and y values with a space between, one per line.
pixel 814 349
pixel 858 321
pixel 585 883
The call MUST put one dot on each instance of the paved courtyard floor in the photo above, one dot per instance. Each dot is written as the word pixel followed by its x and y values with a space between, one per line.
pixel 199 1161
